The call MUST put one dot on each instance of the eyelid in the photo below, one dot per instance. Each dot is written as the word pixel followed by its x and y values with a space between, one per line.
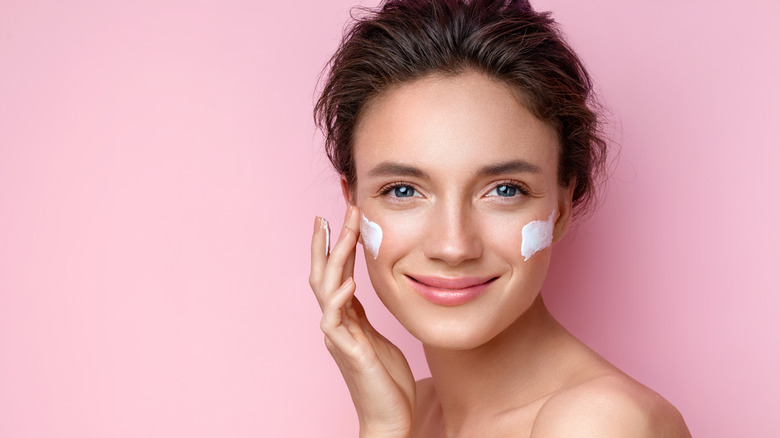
pixel 387 188
pixel 522 188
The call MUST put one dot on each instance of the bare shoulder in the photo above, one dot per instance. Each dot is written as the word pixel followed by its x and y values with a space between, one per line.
pixel 613 405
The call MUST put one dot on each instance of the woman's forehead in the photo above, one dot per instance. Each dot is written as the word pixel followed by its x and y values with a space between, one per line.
pixel 467 120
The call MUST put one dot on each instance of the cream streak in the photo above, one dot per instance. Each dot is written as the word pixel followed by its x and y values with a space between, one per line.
pixel 372 236
pixel 324 226
pixel 537 235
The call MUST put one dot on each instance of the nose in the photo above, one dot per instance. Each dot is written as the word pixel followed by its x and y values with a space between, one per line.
pixel 452 235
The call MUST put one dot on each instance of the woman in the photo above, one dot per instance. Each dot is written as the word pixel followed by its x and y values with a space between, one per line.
pixel 466 140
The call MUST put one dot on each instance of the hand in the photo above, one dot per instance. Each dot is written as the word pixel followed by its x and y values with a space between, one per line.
pixel 376 372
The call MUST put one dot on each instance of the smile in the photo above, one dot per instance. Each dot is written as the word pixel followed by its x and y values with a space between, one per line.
pixel 450 291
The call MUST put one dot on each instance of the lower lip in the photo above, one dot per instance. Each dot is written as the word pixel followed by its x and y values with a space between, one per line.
pixel 449 297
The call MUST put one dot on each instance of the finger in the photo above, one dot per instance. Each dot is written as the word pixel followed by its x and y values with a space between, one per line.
pixel 332 309
pixel 346 245
pixel 358 321
pixel 349 265
pixel 357 312
pixel 357 309
pixel 319 248
pixel 332 323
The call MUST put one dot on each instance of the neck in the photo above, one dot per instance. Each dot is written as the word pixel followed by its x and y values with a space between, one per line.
pixel 513 370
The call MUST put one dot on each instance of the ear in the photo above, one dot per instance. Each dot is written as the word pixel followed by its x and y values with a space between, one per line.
pixel 565 195
pixel 346 191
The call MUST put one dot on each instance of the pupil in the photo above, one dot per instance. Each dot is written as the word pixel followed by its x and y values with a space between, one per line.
pixel 404 191
pixel 505 190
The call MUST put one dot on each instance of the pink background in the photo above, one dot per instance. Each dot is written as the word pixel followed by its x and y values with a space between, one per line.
pixel 159 176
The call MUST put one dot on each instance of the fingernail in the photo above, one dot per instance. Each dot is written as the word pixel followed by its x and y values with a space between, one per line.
pixel 323 222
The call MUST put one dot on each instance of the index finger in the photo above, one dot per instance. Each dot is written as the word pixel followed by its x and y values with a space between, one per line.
pixel 339 264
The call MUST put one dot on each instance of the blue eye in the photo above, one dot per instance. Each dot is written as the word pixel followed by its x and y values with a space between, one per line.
pixel 506 190
pixel 403 191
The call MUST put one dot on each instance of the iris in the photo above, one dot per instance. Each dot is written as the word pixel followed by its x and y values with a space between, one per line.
pixel 506 190
pixel 404 191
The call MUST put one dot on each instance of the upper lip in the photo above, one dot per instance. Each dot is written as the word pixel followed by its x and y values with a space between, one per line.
pixel 450 282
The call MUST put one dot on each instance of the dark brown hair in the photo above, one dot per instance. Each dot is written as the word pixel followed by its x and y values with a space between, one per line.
pixel 505 39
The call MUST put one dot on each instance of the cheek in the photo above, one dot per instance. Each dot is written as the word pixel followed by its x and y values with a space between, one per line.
pixel 401 236
pixel 518 238
pixel 503 236
pixel 390 237
pixel 537 235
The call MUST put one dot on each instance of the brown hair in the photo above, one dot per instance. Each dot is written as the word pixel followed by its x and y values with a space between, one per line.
pixel 505 39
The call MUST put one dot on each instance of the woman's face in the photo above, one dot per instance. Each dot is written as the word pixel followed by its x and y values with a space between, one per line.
pixel 452 169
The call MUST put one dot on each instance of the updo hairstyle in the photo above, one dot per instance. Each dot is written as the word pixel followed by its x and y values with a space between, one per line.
pixel 507 40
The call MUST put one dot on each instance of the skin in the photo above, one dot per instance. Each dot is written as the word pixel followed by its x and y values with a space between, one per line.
pixel 501 365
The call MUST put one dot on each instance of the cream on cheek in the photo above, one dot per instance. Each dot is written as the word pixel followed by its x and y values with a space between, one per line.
pixel 372 236
pixel 537 235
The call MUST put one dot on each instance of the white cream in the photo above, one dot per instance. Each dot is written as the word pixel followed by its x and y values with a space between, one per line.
pixel 324 226
pixel 537 235
pixel 372 236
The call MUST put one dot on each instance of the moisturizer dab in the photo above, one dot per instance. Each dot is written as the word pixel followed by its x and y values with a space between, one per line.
pixel 324 226
pixel 372 236
pixel 537 235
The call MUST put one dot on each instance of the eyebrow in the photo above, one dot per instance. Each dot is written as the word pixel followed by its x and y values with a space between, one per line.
pixel 514 166
pixel 389 168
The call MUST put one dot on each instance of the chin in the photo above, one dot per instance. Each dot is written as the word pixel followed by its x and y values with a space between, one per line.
pixel 460 340
pixel 453 328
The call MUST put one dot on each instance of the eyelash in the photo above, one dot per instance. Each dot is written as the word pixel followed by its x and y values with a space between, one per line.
pixel 520 187
pixel 392 186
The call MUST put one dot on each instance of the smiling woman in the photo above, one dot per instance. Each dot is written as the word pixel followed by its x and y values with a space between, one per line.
pixel 466 141
pixel 483 168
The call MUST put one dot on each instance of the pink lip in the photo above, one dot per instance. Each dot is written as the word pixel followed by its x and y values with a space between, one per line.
pixel 450 291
